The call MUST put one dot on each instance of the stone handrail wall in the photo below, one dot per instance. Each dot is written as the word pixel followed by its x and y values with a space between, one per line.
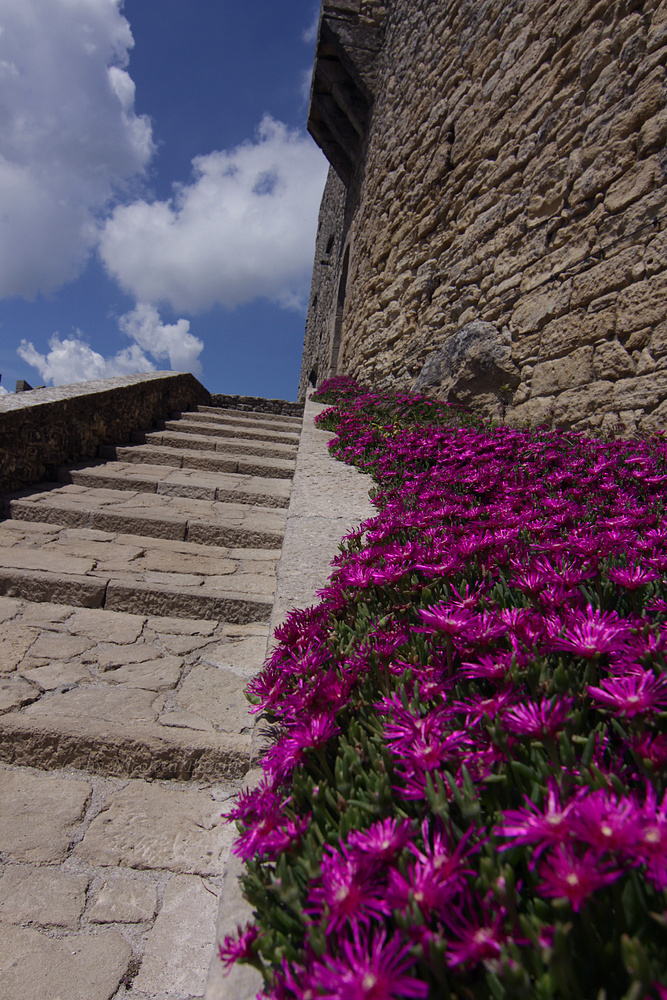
pixel 46 427
pixel 514 172
pixel 258 404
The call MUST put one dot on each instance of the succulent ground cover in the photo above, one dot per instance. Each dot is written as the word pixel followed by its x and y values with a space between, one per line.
pixel 466 795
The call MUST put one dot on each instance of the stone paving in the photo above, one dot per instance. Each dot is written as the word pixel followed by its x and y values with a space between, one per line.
pixel 136 596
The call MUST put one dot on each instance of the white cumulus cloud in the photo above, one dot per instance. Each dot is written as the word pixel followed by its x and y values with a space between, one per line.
pixel 163 340
pixel 69 136
pixel 244 228
pixel 73 360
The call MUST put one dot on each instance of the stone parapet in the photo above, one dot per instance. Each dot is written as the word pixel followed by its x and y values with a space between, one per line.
pixel 43 428
pixel 257 404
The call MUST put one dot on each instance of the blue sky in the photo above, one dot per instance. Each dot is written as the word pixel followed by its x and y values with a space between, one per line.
pixel 158 190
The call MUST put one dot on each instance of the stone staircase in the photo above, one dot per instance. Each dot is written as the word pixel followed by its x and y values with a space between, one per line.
pixel 136 596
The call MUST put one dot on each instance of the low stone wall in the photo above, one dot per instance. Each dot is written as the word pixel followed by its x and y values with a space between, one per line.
pixel 281 406
pixel 47 427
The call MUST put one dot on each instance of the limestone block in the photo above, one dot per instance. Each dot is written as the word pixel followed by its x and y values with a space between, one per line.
pixel 646 363
pixel 574 369
pixel 81 967
pixel 182 626
pixel 37 813
pixel 653 134
pixel 216 695
pixel 180 945
pixel 154 827
pixel 657 341
pixel 531 311
pixel 642 304
pixel 641 392
pixel 612 361
pixel 44 896
pixel 106 626
pixel 610 275
pixel 9 608
pixel 244 657
pixel 582 402
pixel 15 641
pixel 124 899
pixel 631 187
pixel 55 675
pixel 154 675
pixel 15 692
pixel 54 646
pixel 110 657
pixel 566 333
pixel 117 705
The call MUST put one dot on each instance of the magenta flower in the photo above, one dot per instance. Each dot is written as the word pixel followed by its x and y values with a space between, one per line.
pixel 565 875
pixel 547 827
pixel 538 719
pixel 369 967
pixel 633 578
pixel 640 693
pixel 444 618
pixel 349 890
pixel 471 942
pixel 592 633
pixel 239 946
pixel 606 821
pixel 382 840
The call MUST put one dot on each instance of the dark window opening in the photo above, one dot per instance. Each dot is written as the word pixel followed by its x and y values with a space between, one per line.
pixel 312 378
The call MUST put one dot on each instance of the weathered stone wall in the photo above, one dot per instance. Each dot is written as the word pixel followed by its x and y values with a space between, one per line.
pixel 514 172
pixel 321 319
pixel 257 404
pixel 48 427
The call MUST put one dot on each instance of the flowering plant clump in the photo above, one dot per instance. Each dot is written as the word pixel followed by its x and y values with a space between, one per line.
pixel 467 797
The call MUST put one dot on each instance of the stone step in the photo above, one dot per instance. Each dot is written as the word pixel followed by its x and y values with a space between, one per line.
pixel 167 481
pixel 224 429
pixel 202 442
pixel 208 522
pixel 90 568
pixel 255 417
pixel 125 694
pixel 209 461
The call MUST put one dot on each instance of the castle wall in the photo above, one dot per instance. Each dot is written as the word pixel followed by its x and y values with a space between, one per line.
pixel 514 171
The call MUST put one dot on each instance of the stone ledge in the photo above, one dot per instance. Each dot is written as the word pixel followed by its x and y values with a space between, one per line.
pixel 43 428
pixel 257 403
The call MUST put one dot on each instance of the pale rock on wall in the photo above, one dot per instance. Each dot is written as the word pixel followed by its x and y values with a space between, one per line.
pixel 511 169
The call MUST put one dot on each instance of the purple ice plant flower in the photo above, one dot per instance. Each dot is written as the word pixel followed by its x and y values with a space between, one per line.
pixel 639 693
pixel 543 828
pixel 348 890
pixel 239 946
pixel 370 966
pixel 538 720
pixel 568 875
pixel 591 633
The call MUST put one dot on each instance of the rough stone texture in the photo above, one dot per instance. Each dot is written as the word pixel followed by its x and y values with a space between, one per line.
pixel 124 899
pixel 37 813
pixel 44 896
pixel 476 360
pixel 85 967
pixel 152 826
pixel 46 427
pixel 511 170
pixel 257 404
pixel 178 949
